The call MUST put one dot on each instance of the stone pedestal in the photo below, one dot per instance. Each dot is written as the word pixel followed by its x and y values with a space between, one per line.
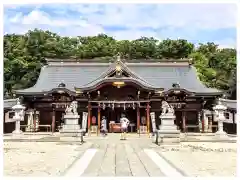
pixel 168 132
pixel 17 127
pixel 71 124
pixel 220 134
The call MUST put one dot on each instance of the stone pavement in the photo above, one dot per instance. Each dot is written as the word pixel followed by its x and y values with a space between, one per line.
pixel 110 156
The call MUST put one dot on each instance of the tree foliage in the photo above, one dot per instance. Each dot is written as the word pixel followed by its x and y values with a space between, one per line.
pixel 25 54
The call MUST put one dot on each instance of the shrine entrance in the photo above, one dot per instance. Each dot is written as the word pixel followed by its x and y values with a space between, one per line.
pixel 135 111
pixel 109 100
pixel 113 118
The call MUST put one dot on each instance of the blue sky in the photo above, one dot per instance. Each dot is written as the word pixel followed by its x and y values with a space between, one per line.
pixel 198 23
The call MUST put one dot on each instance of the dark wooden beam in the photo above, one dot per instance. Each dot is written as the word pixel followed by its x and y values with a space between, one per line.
pixel 96 107
pixel 119 102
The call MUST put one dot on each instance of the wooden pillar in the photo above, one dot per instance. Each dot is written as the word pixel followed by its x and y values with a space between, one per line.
pixel 99 120
pixel 53 120
pixel 148 118
pixel 184 121
pixel 138 119
pixel 89 117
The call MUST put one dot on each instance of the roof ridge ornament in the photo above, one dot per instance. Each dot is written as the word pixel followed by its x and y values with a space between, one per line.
pixel 118 66
pixel 118 57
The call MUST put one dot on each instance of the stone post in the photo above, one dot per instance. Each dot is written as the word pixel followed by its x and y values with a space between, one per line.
pixel 200 122
pixel 220 117
pixel 153 119
pixel 19 116
pixel 85 121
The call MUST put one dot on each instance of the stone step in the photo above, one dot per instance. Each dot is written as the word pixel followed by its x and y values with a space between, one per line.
pixel 169 140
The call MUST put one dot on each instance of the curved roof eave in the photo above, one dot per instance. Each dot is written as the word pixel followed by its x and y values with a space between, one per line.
pixel 98 82
pixel 35 92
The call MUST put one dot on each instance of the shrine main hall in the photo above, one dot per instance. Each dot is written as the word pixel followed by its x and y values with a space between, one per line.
pixel 135 89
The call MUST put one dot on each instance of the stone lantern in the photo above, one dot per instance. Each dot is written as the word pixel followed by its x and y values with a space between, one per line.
pixel 18 116
pixel 220 117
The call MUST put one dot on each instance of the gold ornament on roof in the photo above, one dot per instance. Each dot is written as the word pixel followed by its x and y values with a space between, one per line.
pixel 118 84
pixel 118 67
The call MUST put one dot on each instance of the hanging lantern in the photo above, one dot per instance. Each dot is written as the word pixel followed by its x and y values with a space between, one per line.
pixel 104 106
pixel 124 106
pixel 113 106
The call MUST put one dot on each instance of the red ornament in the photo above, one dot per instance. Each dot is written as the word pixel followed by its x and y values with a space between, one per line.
pixel 94 120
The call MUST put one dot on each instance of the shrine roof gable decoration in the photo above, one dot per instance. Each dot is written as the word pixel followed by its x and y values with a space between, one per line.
pixel 86 75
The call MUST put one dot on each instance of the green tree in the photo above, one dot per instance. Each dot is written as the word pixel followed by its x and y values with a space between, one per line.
pixel 25 54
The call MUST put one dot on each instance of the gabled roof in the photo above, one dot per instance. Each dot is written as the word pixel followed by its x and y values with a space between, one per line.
pixel 110 75
pixel 151 75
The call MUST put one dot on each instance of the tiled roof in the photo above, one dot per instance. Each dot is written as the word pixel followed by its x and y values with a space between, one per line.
pixel 230 104
pixel 153 75
pixel 9 103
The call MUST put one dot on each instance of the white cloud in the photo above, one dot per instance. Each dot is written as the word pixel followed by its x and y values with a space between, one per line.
pixel 40 19
pixel 227 43
pixel 159 20
pixel 203 16
pixel 35 17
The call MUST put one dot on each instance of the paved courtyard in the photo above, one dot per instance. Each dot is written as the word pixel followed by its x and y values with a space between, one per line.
pixel 109 156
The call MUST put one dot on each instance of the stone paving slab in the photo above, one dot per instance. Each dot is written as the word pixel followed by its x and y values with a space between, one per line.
pixel 95 165
pixel 135 162
pixel 121 158
pixel 39 158
pixel 108 166
pixel 203 159
pixel 122 162
pixel 151 168
pixel 115 157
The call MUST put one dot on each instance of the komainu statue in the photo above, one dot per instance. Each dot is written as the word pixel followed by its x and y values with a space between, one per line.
pixel 166 108
pixel 72 109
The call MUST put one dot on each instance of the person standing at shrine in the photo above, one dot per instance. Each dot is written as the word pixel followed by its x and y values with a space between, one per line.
pixel 124 126
pixel 104 126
